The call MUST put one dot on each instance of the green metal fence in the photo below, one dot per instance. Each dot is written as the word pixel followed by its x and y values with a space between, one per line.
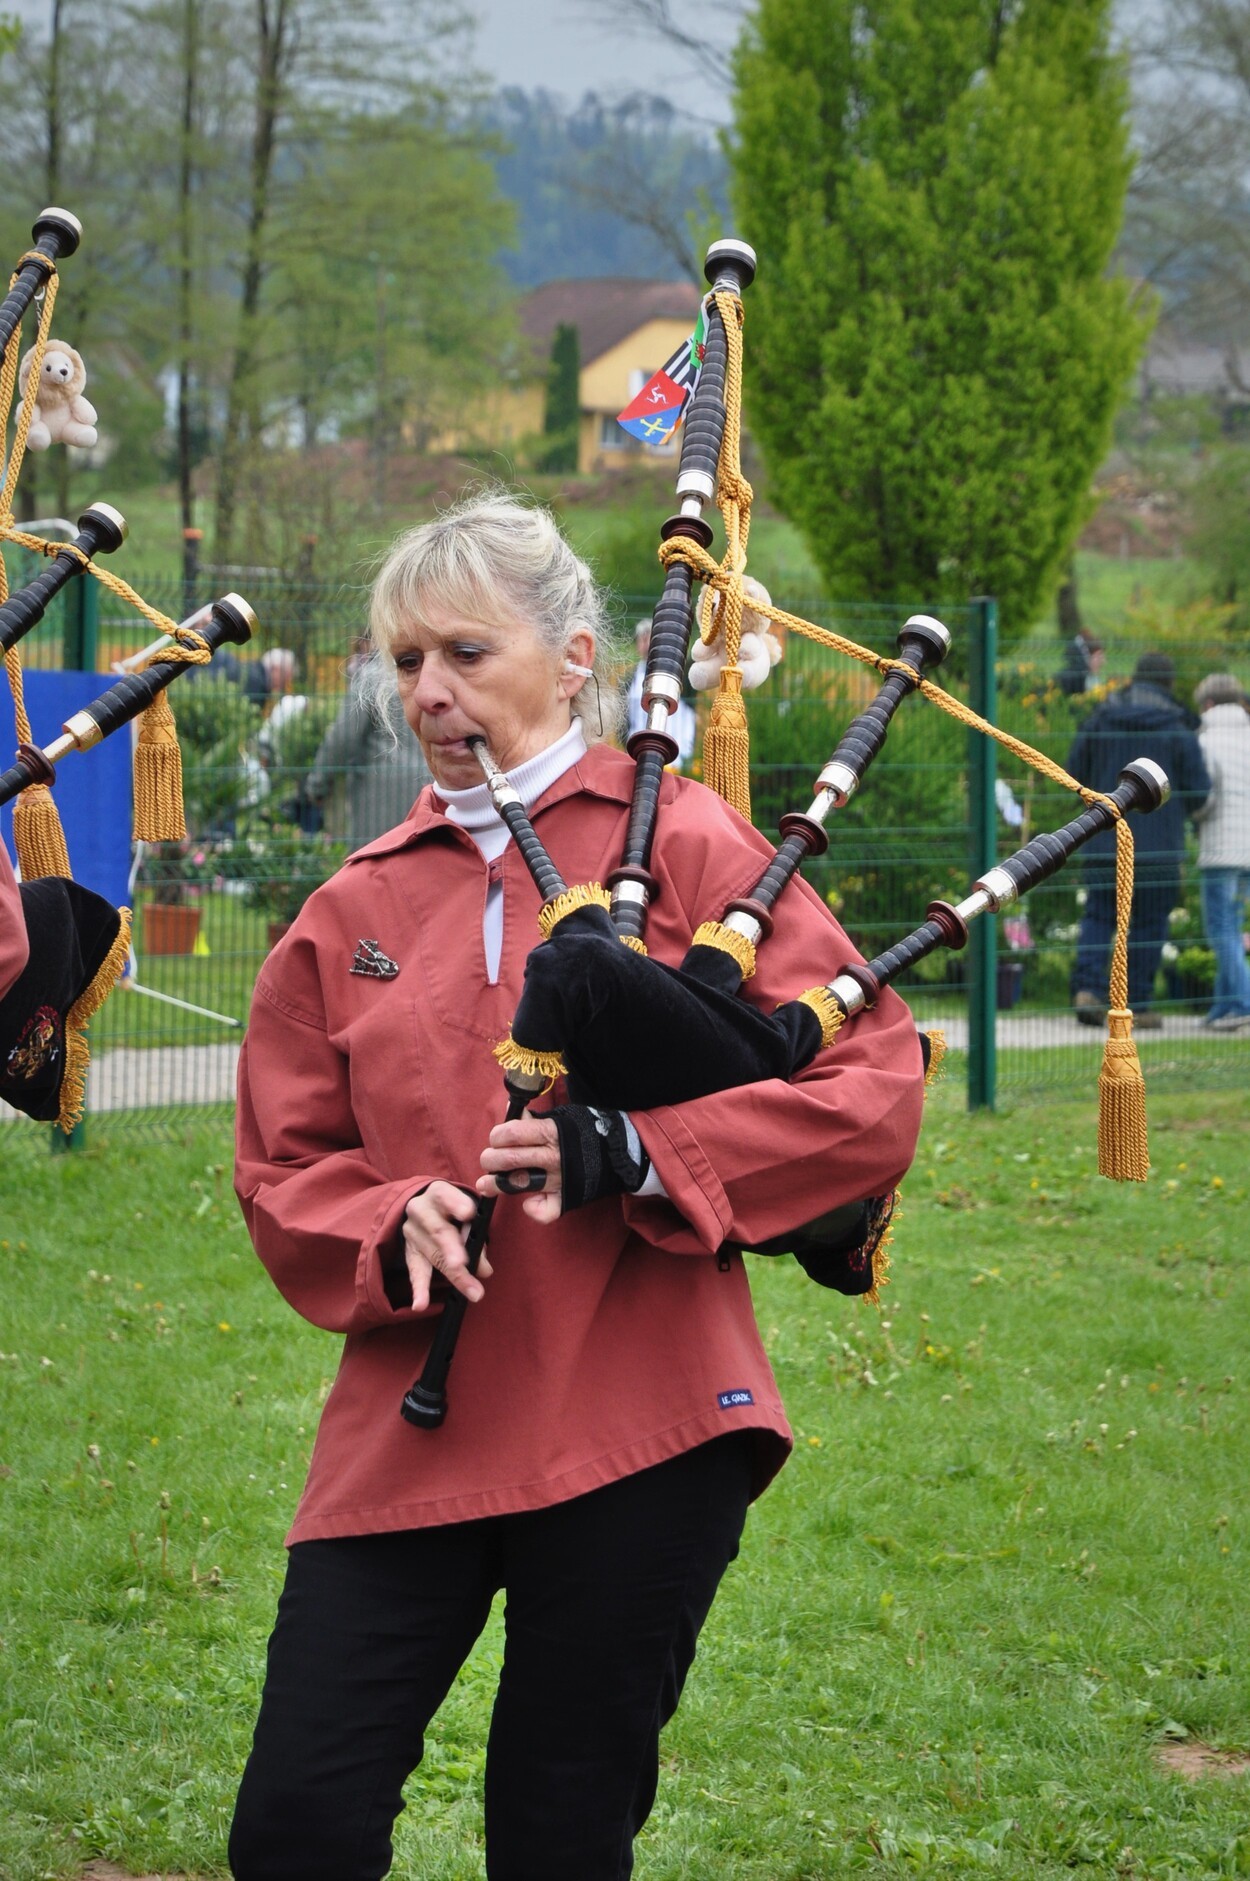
pixel 926 822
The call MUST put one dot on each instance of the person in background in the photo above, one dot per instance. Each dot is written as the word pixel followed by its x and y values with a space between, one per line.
pixel 371 747
pixel 682 724
pixel 268 677
pixel 1083 660
pixel 1224 845
pixel 1140 720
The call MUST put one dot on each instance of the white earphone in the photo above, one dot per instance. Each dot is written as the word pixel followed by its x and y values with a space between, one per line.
pixel 583 672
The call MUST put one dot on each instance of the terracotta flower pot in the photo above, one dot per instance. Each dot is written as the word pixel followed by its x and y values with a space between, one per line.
pixel 169 929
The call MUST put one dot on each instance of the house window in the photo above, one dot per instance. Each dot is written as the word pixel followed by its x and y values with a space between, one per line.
pixel 614 437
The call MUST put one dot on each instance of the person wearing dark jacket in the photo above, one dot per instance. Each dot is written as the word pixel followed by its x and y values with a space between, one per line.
pixel 1142 720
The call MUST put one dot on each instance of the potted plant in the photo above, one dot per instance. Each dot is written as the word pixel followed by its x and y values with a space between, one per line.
pixel 174 873
pixel 287 866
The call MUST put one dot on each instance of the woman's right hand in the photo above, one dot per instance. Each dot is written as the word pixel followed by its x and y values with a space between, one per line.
pixel 435 1223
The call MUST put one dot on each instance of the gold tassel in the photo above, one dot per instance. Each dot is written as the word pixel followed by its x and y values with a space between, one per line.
pixel 727 744
pixel 514 1057
pixel 1123 1152
pixel 38 835
pixel 827 1010
pixel 636 942
pixel 584 895
pixel 159 816
pixel 728 941
pixel 937 1056
pixel 77 1056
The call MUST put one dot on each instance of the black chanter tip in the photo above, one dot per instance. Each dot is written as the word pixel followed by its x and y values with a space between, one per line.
pixel 925 632
pixel 730 263
pixel 56 232
pixel 101 530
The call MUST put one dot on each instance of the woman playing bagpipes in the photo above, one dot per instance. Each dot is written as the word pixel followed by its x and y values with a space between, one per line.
pixel 614 1410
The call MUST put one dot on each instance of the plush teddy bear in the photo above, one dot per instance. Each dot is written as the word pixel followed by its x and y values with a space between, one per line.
pixel 62 415
pixel 758 650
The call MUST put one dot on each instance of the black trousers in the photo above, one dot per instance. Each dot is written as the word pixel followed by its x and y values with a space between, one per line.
pixel 605 1596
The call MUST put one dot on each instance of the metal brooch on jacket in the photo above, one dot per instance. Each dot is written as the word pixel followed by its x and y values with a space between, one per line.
pixel 372 963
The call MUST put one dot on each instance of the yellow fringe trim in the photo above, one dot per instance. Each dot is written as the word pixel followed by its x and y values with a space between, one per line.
pixel 729 941
pixel 827 1010
pixel 937 1058
pixel 881 1260
pixel 514 1057
pixel 585 895
pixel 1123 1151
pixel 89 1001
pixel 636 942
pixel 38 836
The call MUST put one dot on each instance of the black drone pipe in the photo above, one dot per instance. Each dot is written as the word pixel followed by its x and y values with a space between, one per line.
pixel 56 234
pixel 231 620
pixel 730 267
pixel 101 530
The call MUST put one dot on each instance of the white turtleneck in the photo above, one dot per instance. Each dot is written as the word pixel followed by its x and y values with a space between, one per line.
pixel 473 811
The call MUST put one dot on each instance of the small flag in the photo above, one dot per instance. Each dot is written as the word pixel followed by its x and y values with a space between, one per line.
pixel 656 412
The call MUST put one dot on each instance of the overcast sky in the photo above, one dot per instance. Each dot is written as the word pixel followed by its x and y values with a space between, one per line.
pixel 556 44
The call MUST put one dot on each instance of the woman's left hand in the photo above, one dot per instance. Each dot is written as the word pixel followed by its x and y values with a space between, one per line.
pixel 526 1143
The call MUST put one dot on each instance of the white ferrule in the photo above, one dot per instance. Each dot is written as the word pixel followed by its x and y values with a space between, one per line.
pixel 663 686
pixel 633 894
pixel 744 924
pixel 696 483
pixel 822 805
pixel 999 886
pixel 82 732
pixel 849 994
pixel 840 779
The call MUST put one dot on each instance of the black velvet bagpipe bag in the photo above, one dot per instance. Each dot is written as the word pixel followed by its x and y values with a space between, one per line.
pixel 71 933
pixel 635 1033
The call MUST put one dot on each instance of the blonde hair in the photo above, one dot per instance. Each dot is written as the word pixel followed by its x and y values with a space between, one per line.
pixel 496 559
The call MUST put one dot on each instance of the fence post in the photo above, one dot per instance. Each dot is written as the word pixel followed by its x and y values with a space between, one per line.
pixel 79 648
pixel 983 821
pixel 191 540
pixel 80 639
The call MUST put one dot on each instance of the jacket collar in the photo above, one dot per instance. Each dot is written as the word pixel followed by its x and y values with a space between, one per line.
pixel 600 772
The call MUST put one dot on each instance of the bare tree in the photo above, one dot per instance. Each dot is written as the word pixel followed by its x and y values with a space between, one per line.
pixel 1188 222
pixel 704 34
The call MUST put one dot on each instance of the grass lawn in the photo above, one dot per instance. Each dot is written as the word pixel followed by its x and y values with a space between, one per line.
pixel 1006 1564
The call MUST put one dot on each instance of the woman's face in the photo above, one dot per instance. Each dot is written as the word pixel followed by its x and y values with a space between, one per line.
pixel 458 676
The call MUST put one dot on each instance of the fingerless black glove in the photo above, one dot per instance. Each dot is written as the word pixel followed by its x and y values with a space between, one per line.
pixel 600 1154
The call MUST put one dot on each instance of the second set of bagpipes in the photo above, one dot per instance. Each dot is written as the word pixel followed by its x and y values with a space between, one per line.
pixel 628 1032
pixel 138 695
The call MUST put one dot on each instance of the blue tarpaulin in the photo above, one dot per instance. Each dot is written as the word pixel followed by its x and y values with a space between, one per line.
pixel 92 789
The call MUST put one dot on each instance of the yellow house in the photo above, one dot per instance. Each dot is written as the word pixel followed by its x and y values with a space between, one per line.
pixel 625 330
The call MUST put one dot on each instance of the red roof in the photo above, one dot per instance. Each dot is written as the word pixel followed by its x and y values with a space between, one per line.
pixel 604 311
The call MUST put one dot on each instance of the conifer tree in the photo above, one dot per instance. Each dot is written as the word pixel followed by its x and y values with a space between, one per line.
pixel 936 348
pixel 563 402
